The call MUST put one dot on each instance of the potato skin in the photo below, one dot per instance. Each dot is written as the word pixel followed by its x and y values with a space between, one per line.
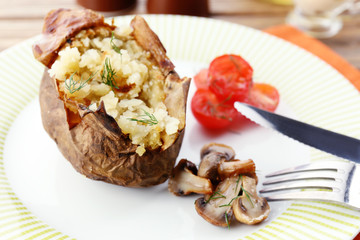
pixel 93 142
pixel 59 24
pixel 98 149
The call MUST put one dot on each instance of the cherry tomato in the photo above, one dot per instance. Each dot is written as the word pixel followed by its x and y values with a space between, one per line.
pixel 264 96
pixel 230 77
pixel 201 79
pixel 210 112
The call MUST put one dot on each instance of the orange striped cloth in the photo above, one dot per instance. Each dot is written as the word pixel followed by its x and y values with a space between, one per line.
pixel 319 49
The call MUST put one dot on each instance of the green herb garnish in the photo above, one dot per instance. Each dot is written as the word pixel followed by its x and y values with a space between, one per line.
pixel 213 108
pixel 148 118
pixel 227 220
pixel 237 182
pixel 113 46
pixel 236 187
pixel 88 107
pixel 215 195
pixel 229 204
pixel 72 86
pixel 247 194
pixel 108 74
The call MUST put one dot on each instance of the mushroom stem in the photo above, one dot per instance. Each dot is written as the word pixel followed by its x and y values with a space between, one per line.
pixel 184 181
pixel 235 167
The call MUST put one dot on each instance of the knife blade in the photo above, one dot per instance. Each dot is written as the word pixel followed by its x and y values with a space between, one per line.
pixel 331 142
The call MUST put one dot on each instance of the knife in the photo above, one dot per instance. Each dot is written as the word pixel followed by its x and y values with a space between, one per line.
pixel 322 139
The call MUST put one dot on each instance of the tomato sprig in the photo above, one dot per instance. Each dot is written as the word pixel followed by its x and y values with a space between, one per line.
pixel 228 79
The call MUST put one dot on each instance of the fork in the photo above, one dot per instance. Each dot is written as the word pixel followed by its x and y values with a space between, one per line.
pixel 334 181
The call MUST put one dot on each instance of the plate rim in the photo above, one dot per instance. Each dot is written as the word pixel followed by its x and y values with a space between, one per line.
pixel 32 39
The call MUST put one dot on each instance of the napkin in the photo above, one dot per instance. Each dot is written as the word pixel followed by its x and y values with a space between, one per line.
pixel 319 49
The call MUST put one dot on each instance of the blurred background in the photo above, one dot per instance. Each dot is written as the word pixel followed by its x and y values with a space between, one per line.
pixel 21 19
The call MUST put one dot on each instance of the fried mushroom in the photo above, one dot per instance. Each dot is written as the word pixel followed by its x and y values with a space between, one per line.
pixel 217 208
pixel 249 208
pixel 235 167
pixel 183 180
pixel 211 155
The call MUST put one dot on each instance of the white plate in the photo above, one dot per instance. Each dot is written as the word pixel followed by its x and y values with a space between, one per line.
pixel 43 197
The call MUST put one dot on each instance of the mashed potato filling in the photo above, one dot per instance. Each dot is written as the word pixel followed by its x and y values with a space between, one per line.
pixel 99 65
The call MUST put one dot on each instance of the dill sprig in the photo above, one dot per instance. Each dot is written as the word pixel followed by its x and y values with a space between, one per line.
pixel 72 86
pixel 113 45
pixel 230 203
pixel 88 107
pixel 247 194
pixel 227 220
pixel 215 195
pixel 213 108
pixel 236 187
pixel 108 74
pixel 237 182
pixel 148 118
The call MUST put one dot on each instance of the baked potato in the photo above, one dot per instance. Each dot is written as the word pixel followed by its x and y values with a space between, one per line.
pixel 110 98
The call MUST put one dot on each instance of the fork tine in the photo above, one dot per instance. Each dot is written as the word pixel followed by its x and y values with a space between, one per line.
pixel 316 166
pixel 317 184
pixel 320 175
pixel 340 177
pixel 303 168
pixel 307 195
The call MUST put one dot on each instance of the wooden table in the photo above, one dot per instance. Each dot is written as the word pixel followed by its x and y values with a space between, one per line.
pixel 21 19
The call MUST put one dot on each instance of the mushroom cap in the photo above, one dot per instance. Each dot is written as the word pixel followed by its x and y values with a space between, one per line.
pixel 183 180
pixel 226 151
pixel 217 208
pixel 211 154
pixel 250 208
